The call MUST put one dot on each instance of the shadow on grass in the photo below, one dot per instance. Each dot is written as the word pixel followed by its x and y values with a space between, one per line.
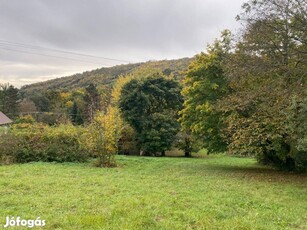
pixel 228 167
pixel 259 172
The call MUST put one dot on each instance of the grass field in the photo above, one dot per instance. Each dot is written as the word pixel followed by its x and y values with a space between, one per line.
pixel 214 192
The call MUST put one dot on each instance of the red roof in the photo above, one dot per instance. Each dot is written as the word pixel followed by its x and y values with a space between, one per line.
pixel 4 119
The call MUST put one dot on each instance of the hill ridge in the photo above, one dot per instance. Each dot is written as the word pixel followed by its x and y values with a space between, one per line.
pixel 107 75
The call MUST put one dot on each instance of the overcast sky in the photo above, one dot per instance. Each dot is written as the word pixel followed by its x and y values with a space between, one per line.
pixel 125 30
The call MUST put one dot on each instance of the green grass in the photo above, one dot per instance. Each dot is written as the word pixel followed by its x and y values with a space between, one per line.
pixel 215 192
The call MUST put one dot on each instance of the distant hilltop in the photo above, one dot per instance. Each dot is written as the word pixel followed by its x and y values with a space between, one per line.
pixel 106 76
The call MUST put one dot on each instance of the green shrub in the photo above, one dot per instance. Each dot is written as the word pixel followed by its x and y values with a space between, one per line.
pixel 42 143
pixel 8 146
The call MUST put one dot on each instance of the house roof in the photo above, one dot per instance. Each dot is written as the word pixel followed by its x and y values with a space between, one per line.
pixel 4 119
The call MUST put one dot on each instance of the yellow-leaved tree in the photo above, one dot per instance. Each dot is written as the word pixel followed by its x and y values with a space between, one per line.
pixel 104 136
pixel 105 131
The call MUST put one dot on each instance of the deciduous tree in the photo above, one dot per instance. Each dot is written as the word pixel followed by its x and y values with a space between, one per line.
pixel 267 77
pixel 204 85
pixel 150 106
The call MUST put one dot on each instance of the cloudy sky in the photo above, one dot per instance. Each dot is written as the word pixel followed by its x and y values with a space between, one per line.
pixel 44 39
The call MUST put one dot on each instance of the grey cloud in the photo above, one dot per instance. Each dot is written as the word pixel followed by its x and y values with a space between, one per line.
pixel 136 30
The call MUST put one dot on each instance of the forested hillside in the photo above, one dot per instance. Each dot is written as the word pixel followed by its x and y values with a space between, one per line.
pixel 246 96
pixel 106 76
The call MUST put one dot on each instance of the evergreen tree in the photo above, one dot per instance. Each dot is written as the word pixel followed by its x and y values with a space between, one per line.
pixel 9 99
pixel 76 116
pixel 92 100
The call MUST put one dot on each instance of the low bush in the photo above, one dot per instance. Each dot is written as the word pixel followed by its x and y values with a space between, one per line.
pixel 8 145
pixel 27 143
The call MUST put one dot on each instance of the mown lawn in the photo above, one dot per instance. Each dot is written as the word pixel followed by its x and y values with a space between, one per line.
pixel 215 192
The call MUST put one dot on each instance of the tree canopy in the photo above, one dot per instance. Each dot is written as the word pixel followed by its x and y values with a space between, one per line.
pixel 267 77
pixel 150 106
pixel 204 85
pixel 9 99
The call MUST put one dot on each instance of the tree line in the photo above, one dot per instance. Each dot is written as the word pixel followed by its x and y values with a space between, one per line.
pixel 248 96
pixel 245 95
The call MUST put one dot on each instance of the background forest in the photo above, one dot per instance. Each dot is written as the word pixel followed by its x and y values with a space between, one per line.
pixel 245 95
